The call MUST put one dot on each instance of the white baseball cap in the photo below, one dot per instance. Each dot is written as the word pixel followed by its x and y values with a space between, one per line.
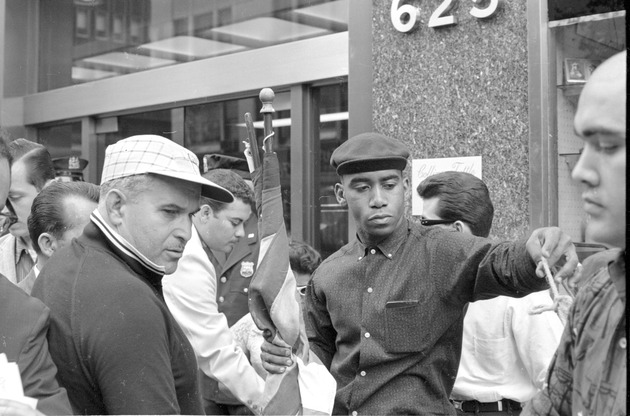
pixel 158 155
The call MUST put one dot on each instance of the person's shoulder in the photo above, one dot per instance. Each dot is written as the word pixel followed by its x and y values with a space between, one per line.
pixel 93 272
pixel 595 278
pixel 442 239
pixel 338 256
pixel 595 262
pixel 14 302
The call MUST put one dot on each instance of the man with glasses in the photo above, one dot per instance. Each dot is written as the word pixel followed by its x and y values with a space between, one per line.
pixel 190 293
pixel 505 349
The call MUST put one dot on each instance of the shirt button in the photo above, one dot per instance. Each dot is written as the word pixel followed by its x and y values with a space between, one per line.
pixel 370 290
pixel 367 334
pixel 389 255
pixel 245 290
pixel 221 298
pixel 354 413
pixel 223 279
pixel 373 251
pixel 623 343
pixel 363 373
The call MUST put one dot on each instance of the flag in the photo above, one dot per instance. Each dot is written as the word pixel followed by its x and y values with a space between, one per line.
pixel 306 387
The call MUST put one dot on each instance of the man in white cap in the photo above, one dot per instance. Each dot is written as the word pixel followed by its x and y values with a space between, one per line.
pixel 118 348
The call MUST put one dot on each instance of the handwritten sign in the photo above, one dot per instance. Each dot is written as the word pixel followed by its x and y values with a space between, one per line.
pixel 423 168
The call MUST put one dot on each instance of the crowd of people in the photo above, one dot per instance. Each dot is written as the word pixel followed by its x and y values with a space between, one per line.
pixel 130 297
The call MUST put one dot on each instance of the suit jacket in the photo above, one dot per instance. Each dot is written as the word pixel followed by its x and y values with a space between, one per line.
pixel 190 295
pixel 23 326
pixel 236 274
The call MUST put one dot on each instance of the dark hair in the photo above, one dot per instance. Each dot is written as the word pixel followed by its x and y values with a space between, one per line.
pixel 36 158
pixel 462 196
pixel 47 212
pixel 4 147
pixel 303 258
pixel 233 183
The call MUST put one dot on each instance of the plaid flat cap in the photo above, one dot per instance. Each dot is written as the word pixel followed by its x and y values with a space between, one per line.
pixel 158 155
pixel 369 152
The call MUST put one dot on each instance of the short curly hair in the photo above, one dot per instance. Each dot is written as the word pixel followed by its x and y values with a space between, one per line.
pixel 303 258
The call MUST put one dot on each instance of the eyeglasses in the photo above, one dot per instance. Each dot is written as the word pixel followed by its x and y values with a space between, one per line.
pixel 7 219
pixel 301 290
pixel 435 222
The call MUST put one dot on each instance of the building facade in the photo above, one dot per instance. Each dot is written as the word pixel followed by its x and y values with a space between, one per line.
pixel 448 78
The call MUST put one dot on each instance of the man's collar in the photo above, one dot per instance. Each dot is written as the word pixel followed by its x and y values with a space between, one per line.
pixel 22 245
pixel 123 245
pixel 392 243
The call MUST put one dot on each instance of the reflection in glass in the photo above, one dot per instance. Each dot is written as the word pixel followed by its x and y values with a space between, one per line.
pixel 88 40
pixel 333 130
pixel 61 140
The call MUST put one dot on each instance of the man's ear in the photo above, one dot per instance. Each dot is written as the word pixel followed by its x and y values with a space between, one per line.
pixel 47 244
pixel 462 227
pixel 204 213
pixel 340 194
pixel 115 202
pixel 406 187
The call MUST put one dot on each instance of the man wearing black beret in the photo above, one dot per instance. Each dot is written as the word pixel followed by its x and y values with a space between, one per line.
pixel 385 312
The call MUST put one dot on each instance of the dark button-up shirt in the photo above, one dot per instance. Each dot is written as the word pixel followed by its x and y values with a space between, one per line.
pixel 588 374
pixel 387 320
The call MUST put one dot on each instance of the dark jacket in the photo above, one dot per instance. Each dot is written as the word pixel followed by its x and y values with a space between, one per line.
pixel 23 325
pixel 236 274
pixel 118 348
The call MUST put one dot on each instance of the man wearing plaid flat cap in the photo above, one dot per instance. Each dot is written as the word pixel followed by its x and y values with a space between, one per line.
pixel 385 312
pixel 118 347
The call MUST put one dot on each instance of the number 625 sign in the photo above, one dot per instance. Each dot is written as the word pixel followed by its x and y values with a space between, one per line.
pixel 405 17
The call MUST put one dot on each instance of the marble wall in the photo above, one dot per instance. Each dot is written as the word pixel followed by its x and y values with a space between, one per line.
pixel 460 90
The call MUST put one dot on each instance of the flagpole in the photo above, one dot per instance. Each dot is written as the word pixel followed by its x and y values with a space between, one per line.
pixel 253 142
pixel 266 97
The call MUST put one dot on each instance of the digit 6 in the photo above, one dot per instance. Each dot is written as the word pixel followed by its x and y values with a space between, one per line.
pixel 397 12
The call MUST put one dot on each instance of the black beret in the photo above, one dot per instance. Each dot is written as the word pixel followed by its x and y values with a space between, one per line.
pixel 235 164
pixel 369 152
pixel 69 167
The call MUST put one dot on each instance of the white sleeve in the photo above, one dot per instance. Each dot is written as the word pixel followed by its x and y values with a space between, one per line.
pixel 536 336
pixel 190 294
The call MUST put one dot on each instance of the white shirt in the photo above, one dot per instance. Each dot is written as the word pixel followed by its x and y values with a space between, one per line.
pixel 190 294
pixel 505 350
